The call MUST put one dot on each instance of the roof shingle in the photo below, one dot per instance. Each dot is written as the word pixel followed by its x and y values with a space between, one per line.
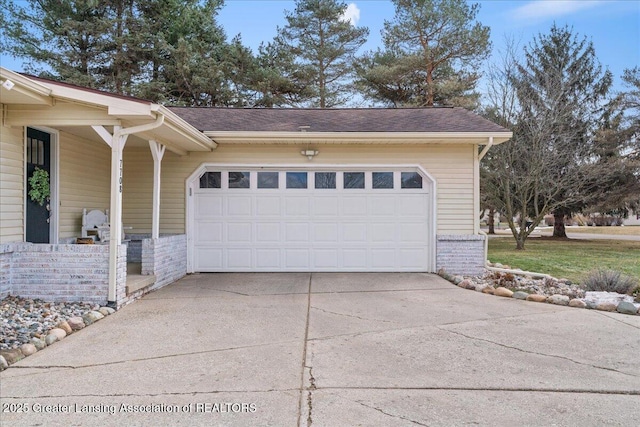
pixel 336 120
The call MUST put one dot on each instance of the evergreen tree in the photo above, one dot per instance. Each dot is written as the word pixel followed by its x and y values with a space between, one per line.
pixel 432 51
pixel 321 45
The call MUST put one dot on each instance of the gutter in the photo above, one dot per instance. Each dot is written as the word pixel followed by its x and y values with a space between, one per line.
pixel 486 149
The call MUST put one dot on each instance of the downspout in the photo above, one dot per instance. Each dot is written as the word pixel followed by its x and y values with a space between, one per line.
pixel 118 141
pixel 482 233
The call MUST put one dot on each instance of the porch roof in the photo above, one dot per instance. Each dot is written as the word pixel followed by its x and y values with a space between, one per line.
pixel 33 101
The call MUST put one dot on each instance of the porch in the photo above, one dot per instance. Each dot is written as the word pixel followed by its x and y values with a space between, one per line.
pixel 71 272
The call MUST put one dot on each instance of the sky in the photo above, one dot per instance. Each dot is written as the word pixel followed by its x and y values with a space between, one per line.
pixel 612 26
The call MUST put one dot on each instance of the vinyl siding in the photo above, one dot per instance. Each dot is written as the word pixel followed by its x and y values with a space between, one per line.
pixel 84 181
pixel 11 184
pixel 451 166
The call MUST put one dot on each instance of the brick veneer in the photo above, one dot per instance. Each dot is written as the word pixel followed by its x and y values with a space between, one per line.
pixel 460 254
pixel 58 272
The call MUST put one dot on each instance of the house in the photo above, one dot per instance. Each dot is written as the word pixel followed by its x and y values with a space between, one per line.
pixel 218 190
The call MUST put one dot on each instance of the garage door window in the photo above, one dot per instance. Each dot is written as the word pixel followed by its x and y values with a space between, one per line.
pixel 382 180
pixel 211 180
pixel 296 180
pixel 268 180
pixel 325 180
pixel 354 180
pixel 239 180
pixel 410 180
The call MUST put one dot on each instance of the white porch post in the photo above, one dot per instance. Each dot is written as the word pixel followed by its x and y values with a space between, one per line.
pixel 117 142
pixel 157 151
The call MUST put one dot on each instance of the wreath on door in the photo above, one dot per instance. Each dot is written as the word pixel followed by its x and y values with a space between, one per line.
pixel 39 182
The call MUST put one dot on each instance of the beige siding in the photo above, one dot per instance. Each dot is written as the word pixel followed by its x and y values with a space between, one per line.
pixel 85 168
pixel 11 184
pixel 451 166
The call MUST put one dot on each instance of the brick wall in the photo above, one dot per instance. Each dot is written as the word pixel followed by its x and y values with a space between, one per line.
pixel 460 254
pixel 6 256
pixel 166 258
pixel 60 272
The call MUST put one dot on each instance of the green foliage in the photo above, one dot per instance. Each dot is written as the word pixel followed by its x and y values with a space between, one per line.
pixel 570 259
pixel 610 281
pixel 315 52
pixel 432 51
pixel 164 50
pixel 39 190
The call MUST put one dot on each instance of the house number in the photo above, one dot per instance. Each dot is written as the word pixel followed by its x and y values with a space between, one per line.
pixel 120 182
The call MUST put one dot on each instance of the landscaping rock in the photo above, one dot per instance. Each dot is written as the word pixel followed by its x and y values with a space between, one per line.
pixel 12 356
pixel 28 349
pixel 60 333
pixel 50 339
pixel 464 283
pixel 76 323
pixel 38 343
pixel 503 292
pixel 65 327
pixel 537 298
pixel 578 303
pixel 3 363
pixel 92 317
pixel 106 311
pixel 488 290
pixel 558 299
pixel 606 306
pixel 627 308
pixel 520 295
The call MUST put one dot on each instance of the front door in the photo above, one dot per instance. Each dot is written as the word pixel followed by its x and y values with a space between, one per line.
pixel 38 156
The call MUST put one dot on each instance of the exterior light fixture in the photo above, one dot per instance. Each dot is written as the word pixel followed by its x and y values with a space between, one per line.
pixel 8 84
pixel 309 153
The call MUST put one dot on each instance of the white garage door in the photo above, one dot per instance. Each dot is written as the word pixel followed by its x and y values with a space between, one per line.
pixel 324 220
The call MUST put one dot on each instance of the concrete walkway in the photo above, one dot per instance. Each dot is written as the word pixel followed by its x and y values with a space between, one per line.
pixel 333 350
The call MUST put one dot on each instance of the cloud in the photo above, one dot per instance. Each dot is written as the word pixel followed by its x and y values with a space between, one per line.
pixel 352 14
pixel 549 9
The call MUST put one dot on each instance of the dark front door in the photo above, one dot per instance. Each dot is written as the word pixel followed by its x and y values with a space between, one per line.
pixel 38 156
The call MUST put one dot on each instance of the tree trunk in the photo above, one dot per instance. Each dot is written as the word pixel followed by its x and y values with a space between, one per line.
pixel 558 225
pixel 491 221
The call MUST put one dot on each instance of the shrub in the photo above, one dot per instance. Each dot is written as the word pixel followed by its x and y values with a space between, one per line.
pixel 610 281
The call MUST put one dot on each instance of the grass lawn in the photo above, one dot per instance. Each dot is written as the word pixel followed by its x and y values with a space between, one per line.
pixel 630 230
pixel 569 259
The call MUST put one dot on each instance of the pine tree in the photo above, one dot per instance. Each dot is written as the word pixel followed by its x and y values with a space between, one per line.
pixel 322 45
pixel 432 49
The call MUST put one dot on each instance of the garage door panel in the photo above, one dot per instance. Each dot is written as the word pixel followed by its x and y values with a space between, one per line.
pixel 208 205
pixel 354 206
pixel 208 232
pixel 268 205
pixel 239 258
pixel 239 205
pixel 412 205
pixel 325 258
pixel 354 259
pixel 325 232
pixel 239 232
pixel 268 259
pixel 354 232
pixel 297 232
pixel 209 259
pixel 325 206
pixel 413 232
pixel 382 206
pixel 411 258
pixel 268 232
pixel 297 258
pixel 383 232
pixel 297 206
pixel 382 258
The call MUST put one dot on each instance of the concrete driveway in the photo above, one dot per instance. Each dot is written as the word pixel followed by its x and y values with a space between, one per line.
pixel 333 350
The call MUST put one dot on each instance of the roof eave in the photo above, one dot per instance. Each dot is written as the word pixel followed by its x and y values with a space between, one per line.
pixel 359 137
